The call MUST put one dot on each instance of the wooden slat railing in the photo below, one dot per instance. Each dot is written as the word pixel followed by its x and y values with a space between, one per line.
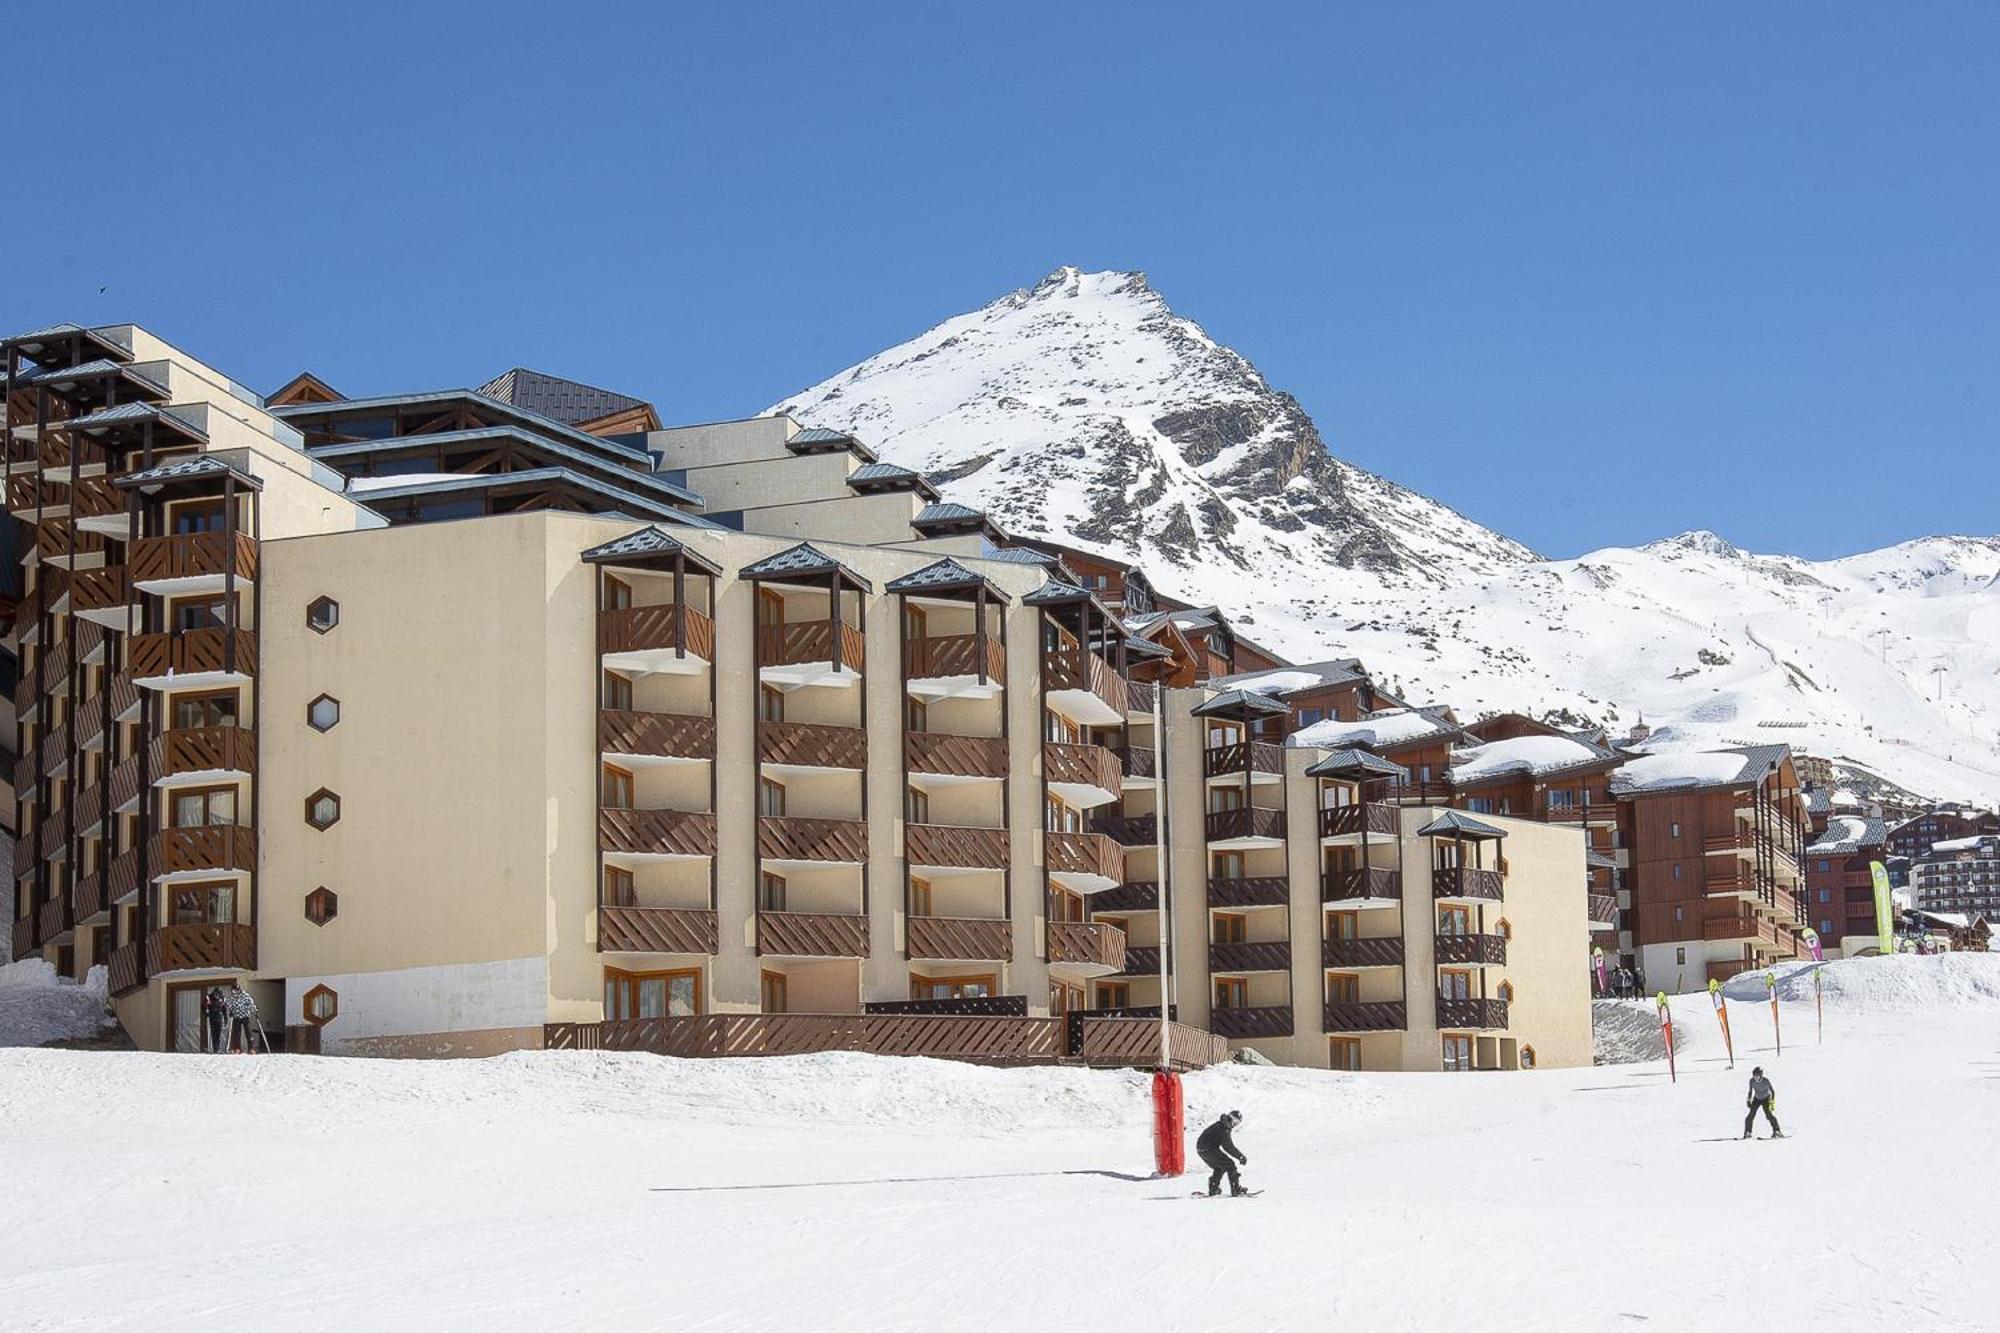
pixel 1271 1020
pixel 657 832
pixel 964 756
pixel 1386 951
pixel 973 939
pixel 220 847
pixel 637 629
pixel 1118 1042
pixel 126 968
pixel 1341 820
pixel 1136 761
pixel 1139 695
pixel 1471 1013
pixel 1080 669
pixel 812 934
pixel 203 750
pixel 1367 1016
pixel 666 735
pixel 186 555
pixel 1256 756
pixel 1133 896
pixel 943 655
pixel 52 919
pixel 987 1006
pixel 123 788
pixel 802 642
pixel 1363 882
pixel 796 838
pixel 1250 956
pixel 1086 944
pixel 1249 822
pixel 1090 766
pixel 656 930
pixel 1141 960
pixel 22 937
pixel 88 809
pixel 90 898
pixel 191 948
pixel 1128 830
pixel 951 845
pixel 186 652
pixel 1601 909
pixel 122 878
pixel 1249 891
pixel 1467 882
pixel 55 541
pixel 1090 854
pixel 999 1040
pixel 96 497
pixel 812 745
pixel 1468 950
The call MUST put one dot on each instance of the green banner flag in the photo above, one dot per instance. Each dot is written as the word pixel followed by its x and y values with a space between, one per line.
pixel 1885 907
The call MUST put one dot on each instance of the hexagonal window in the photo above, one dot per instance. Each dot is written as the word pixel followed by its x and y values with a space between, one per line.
pixel 320 1005
pixel 1506 992
pixel 322 905
pixel 322 713
pixel 322 614
pixel 322 809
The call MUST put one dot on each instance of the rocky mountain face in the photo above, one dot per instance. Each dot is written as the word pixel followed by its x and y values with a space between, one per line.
pixel 1085 410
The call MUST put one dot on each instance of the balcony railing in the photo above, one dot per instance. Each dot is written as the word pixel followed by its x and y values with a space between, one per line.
pixel 661 735
pixel 1467 882
pixel 58 541
pixel 23 937
pixel 945 655
pixel 90 898
pixel 101 589
pixel 1472 950
pixel 189 555
pixel 949 845
pixel 1477 1014
pixel 1079 669
pixel 52 920
pixel 642 629
pixel 229 947
pixel 1090 766
pixel 1249 891
pixel 656 832
pixel 1084 854
pixel 1249 822
pixel 125 967
pixel 1271 1020
pixel 204 750
pixel 1086 944
pixel 656 930
pixel 806 642
pixel 1256 756
pixel 1139 696
pixel 812 934
pixel 1363 882
pixel 1367 1016
pixel 1136 761
pixel 1385 951
pixel 1141 960
pixel 936 752
pixel 1601 909
pixel 812 745
pixel 122 879
pixel 794 838
pixel 1134 896
pixel 971 939
pixel 1129 830
pixel 192 652
pixel 1250 956
pixel 1339 821
pixel 217 847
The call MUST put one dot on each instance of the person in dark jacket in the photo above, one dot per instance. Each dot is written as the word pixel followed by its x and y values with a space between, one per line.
pixel 1762 1097
pixel 1216 1147
pixel 214 1016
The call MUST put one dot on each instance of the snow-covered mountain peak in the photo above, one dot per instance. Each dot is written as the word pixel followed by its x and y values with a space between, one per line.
pixel 1700 541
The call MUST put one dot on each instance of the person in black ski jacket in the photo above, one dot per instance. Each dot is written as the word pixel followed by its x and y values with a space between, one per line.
pixel 242 1020
pixel 215 1017
pixel 1762 1096
pixel 1216 1148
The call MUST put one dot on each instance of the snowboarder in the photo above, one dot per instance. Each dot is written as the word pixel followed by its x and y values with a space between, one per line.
pixel 1216 1148
pixel 1762 1096
pixel 242 1019
pixel 215 1016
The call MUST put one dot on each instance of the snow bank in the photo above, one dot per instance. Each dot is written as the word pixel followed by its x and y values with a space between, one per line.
pixel 1520 754
pixel 1626 1032
pixel 1898 983
pixel 37 1006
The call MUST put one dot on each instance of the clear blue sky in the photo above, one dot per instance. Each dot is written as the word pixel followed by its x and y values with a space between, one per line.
pixel 1591 273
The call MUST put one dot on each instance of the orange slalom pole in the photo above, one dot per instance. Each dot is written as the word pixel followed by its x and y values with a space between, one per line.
pixel 1722 1017
pixel 1667 1025
pixel 1771 984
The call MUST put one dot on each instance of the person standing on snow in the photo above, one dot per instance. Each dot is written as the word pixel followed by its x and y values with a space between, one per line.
pixel 1764 1096
pixel 214 1018
pixel 1217 1148
pixel 242 1015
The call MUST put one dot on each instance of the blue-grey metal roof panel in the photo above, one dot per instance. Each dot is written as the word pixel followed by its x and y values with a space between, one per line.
pixel 940 574
pixel 645 506
pixel 647 542
pixel 1240 701
pixel 354 406
pixel 883 472
pixel 946 512
pixel 395 443
pixel 1454 824
pixel 186 469
pixel 795 561
pixel 1357 763
pixel 568 401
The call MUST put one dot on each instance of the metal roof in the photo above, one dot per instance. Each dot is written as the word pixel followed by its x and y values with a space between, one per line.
pixel 803 559
pixel 941 575
pixel 642 505
pixel 1014 555
pixel 946 512
pixel 567 401
pixel 124 413
pixel 1056 590
pixel 1357 763
pixel 1240 701
pixel 647 542
pixel 438 439
pixel 186 469
pixel 1454 824
pixel 361 406
pixel 883 472
pixel 820 435
pixel 1339 671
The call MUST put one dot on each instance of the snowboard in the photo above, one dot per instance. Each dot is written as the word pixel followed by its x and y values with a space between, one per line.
pixel 1246 1194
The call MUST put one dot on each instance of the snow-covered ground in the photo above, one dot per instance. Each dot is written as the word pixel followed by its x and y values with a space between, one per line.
pixel 848 1192
pixel 37 1006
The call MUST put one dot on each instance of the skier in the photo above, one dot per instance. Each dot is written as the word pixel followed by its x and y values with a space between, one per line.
pixel 242 1019
pixel 1216 1148
pixel 215 1017
pixel 1762 1096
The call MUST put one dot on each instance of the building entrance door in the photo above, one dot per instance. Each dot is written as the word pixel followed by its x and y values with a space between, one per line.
pixel 186 1017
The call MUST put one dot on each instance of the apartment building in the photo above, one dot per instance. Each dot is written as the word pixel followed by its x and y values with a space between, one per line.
pixel 1959 876
pixel 1715 844
pixel 1917 835
pixel 1840 888
pixel 442 720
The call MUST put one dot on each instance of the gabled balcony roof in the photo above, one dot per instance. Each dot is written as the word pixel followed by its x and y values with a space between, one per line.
pixel 647 546
pixel 1240 704
pixel 1357 765
pixel 1453 824
pixel 804 563
pixel 182 471
pixel 942 577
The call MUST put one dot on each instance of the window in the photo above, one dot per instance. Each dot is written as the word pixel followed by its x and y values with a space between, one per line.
pixel 323 713
pixel 1680 956
pixel 1673 830
pixel 916 715
pixel 322 614
pixel 1480 805
pixel 1505 993
pixel 1454 984
pixel 1225 798
pixel 617 691
pixel 770 892
pixel 770 704
pixel 1826 927
pixel 1227 865
pixel 1343 988
pixel 1232 993
pixel 1343 926
pixel 1424 773
pixel 620 890
pixel 201 904
pixel 1562 798
pixel 617 593
pixel 1527 1057
pixel 1064 905
pixel 196 806
pixel 322 906
pixel 1454 921
pixel 1457 1054
pixel 205 710
pixel 198 613
pixel 1679 914
pixel 1505 930
pixel 920 896
pixel 1229 928
pixel 918 806
pixel 955 988
pixel 630 995
pixel 1060 818
pixel 1826 895
pixel 198 516
pixel 616 792
pixel 1677 870
pixel 770 797
pixel 1308 716
pixel 1825 866
pixel 322 809
pixel 1061 730
pixel 1343 1053
pixel 320 1005
pixel 771 992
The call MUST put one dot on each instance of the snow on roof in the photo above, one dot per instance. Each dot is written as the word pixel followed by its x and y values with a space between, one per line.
pixel 1522 754
pixel 1292 679
pixel 1682 768
pixel 1960 844
pixel 1281 682
pixel 1849 833
pixel 362 484
pixel 1395 726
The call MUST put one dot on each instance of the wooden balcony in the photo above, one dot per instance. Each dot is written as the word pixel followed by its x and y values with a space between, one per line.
pixel 1271 1020
pixel 53 663
pixel 811 642
pixel 1471 950
pixel 51 838
pixel 1341 821
pixel 96 497
pixel 1083 775
pixel 1136 761
pixel 1243 756
pixel 971 939
pixel 23 938
pixel 1128 831
pixel 1084 686
pixel 57 543
pixel 123 877
pixel 1367 1016
pixel 24 775
pixel 812 934
pixel 1250 956
pixel 656 930
pixel 812 745
pixel 1365 883
pixel 87 810
pixel 52 920
pixel 126 968
pixel 1386 951
pixel 1133 896
pixel 1091 947
pixel 90 899
pixel 1088 862
pixel 1249 891
pixel 941 754
pixel 54 751
pixel 1601 910
pixel 1479 1015
pixel 218 848
pixel 945 656
pixel 656 629
pixel 1248 826
pixel 1139 696
pixel 928 845
pixel 209 557
pixel 107 589
pixel 630 731
pixel 792 838
pixel 1467 884
pixel 201 949
pixel 90 728
pixel 203 750
pixel 28 492
pixel 123 788
pixel 672 833
pixel 221 653
pixel 1141 960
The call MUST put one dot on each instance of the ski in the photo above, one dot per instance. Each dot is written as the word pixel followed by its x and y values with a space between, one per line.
pixel 1204 1194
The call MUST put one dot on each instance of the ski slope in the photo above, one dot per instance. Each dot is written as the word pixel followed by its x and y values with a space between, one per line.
pixel 557 1191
